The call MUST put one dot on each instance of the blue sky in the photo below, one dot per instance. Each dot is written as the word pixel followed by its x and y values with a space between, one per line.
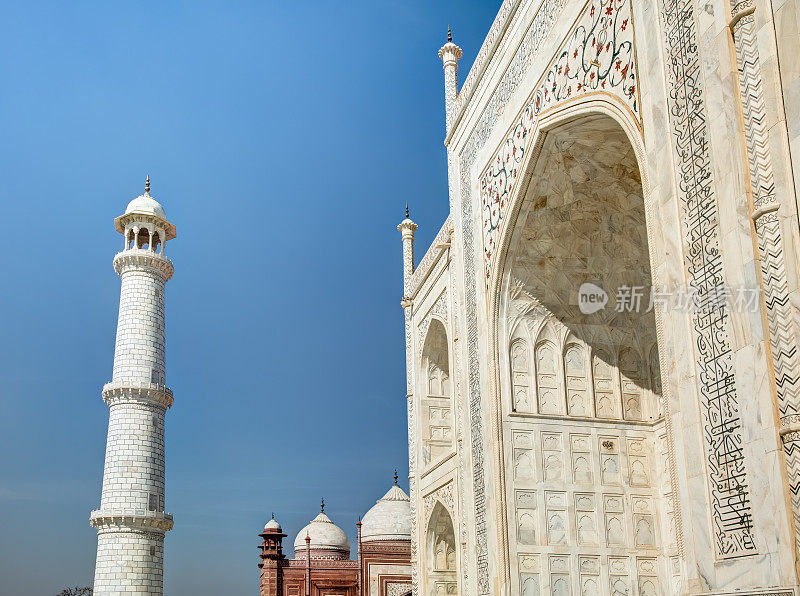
pixel 284 140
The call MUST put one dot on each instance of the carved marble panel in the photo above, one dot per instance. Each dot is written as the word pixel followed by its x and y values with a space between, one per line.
pixel 582 461
pixel 589 568
pixel 576 368
pixel 529 583
pixel 523 465
pixel 548 379
pixel 521 376
pixel 526 526
pixel 556 518
pixel 552 456
pixel 638 467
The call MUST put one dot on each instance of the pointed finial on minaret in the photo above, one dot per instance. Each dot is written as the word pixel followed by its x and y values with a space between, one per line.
pixel 147 185
pixel 407 229
pixel 450 54
pixel 273 515
pixel 395 476
pixel 322 505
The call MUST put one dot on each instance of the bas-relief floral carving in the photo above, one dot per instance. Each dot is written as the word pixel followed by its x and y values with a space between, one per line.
pixel 412 442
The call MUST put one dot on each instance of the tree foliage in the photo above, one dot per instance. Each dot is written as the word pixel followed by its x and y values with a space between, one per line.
pixel 76 591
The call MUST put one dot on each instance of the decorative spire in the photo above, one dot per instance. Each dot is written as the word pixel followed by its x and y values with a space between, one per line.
pixel 407 216
pixel 273 515
pixel 147 185
pixel 395 476
pixel 322 505
pixel 450 54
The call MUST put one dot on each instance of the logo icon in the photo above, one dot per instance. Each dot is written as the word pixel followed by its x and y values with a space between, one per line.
pixel 591 298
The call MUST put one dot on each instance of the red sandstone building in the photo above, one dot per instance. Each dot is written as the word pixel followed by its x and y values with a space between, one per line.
pixel 322 565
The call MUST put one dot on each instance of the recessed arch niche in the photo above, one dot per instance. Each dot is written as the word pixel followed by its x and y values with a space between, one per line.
pixel 437 407
pixel 591 374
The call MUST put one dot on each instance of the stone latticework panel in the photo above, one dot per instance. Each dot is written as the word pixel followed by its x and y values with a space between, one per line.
pixel 398 589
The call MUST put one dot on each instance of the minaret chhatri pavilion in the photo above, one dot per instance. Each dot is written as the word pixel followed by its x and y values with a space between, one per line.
pixel 131 522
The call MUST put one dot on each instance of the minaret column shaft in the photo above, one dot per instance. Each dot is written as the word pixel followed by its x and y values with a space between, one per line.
pixel 131 521
pixel 139 350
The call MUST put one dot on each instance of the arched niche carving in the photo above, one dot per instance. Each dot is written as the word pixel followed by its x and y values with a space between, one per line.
pixel 440 557
pixel 605 384
pixel 548 382
pixel 580 401
pixel 437 405
pixel 632 383
pixel 580 220
pixel 521 378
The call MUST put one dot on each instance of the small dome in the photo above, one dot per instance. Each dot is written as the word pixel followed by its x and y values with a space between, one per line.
pixel 389 519
pixel 146 205
pixel 327 540
pixel 273 525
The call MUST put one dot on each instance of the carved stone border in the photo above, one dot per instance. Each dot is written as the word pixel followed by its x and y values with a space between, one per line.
pixel 731 510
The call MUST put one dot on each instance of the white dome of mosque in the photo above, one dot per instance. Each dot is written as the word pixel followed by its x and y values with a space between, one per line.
pixel 325 536
pixel 389 518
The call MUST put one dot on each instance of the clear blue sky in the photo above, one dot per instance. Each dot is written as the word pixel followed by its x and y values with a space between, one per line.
pixel 284 140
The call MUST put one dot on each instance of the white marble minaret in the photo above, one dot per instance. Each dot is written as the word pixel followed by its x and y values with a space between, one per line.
pixel 131 522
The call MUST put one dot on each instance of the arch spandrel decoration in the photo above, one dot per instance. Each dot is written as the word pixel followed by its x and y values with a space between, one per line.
pixel 438 310
pixel 443 495
pixel 597 58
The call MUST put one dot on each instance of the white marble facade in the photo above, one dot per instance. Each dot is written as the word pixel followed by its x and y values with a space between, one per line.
pixel 645 145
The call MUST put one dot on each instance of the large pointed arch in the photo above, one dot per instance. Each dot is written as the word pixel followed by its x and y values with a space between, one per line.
pixel 576 115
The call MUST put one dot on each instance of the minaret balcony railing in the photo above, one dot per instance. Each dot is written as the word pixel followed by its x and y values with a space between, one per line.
pixel 143 258
pixel 142 393
pixel 136 519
